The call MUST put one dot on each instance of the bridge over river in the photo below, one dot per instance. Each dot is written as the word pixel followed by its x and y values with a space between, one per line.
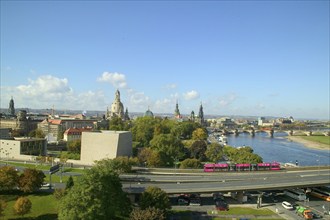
pixel 271 132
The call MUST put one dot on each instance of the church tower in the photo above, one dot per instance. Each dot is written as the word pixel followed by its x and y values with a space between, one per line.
pixel 11 109
pixel 117 108
pixel 177 111
pixel 201 115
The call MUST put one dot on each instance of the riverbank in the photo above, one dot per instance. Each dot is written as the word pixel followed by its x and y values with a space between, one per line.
pixel 308 143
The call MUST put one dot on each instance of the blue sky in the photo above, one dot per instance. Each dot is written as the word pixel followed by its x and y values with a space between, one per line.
pixel 260 58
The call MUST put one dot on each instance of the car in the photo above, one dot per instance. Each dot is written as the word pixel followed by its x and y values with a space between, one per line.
pixel 183 199
pixel 195 199
pixel 45 184
pixel 221 205
pixel 287 205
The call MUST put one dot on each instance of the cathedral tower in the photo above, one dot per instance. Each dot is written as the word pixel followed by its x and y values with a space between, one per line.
pixel 117 108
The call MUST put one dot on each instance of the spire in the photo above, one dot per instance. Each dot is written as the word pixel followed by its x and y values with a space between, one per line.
pixel 177 111
pixel 201 114
pixel 11 109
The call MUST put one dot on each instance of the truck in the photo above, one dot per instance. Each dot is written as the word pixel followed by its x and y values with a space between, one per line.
pixel 304 212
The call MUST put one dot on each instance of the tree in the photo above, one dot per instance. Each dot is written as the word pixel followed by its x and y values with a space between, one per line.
pixel 199 134
pixel 97 195
pixel 31 180
pixel 214 152
pixel 150 213
pixel 74 146
pixel 69 183
pixel 197 150
pixel 155 197
pixel 184 129
pixel 3 206
pixel 190 163
pixel 168 146
pixel 116 124
pixel 150 157
pixel 143 130
pixel 119 165
pixel 8 178
pixel 242 155
pixel 22 206
pixel 37 133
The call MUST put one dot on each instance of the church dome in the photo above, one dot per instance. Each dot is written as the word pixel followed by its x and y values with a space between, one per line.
pixel 148 113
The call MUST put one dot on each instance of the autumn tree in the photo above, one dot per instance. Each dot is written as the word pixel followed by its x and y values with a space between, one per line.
pixel 214 152
pixel 199 134
pixel 74 146
pixel 150 157
pixel 150 213
pixel 8 178
pixel 22 206
pixel 143 130
pixel 119 165
pixel 31 180
pixel 37 133
pixel 155 197
pixel 97 195
pixel 3 206
pixel 197 149
pixel 191 163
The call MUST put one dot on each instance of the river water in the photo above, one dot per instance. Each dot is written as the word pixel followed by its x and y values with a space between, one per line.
pixel 280 149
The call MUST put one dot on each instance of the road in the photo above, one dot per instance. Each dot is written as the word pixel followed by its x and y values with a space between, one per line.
pixel 226 182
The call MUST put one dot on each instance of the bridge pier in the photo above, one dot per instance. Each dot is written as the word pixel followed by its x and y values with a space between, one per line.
pixel 236 132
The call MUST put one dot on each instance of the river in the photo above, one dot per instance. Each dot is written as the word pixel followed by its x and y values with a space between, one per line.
pixel 280 149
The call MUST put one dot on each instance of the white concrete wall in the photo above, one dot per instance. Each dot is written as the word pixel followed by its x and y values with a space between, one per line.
pixel 105 144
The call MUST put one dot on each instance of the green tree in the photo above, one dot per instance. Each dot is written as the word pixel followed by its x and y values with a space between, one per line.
pixel 150 157
pixel 37 133
pixel 214 152
pixel 74 146
pixel 155 197
pixel 97 195
pixel 184 129
pixel 199 134
pixel 143 130
pixel 8 178
pixel 150 213
pixel 116 124
pixel 197 149
pixel 22 206
pixel 3 206
pixel 69 183
pixel 31 180
pixel 190 163
pixel 119 165
pixel 168 146
pixel 242 155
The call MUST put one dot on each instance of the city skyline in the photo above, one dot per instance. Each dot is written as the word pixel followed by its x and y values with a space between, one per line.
pixel 248 58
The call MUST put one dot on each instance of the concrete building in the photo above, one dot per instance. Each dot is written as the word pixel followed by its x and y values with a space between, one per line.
pixel 22 148
pixel 105 144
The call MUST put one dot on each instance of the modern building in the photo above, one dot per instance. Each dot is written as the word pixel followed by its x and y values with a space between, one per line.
pixel 22 148
pixel 105 144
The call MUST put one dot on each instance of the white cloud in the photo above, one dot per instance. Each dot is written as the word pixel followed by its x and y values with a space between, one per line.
pixel 48 90
pixel 191 95
pixel 118 80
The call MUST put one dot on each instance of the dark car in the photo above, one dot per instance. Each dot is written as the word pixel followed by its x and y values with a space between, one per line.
pixel 195 199
pixel 183 199
pixel 221 205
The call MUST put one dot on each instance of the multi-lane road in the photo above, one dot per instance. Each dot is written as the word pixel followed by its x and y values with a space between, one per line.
pixel 226 182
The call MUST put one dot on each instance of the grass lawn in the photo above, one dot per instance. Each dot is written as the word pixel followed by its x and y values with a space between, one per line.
pixel 44 206
pixel 318 139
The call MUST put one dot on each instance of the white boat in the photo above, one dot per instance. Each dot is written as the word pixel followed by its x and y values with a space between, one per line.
pixel 223 139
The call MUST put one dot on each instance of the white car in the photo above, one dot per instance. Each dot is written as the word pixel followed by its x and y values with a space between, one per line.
pixel 287 205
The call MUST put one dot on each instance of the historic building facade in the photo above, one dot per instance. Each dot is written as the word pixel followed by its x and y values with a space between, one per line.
pixel 116 109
